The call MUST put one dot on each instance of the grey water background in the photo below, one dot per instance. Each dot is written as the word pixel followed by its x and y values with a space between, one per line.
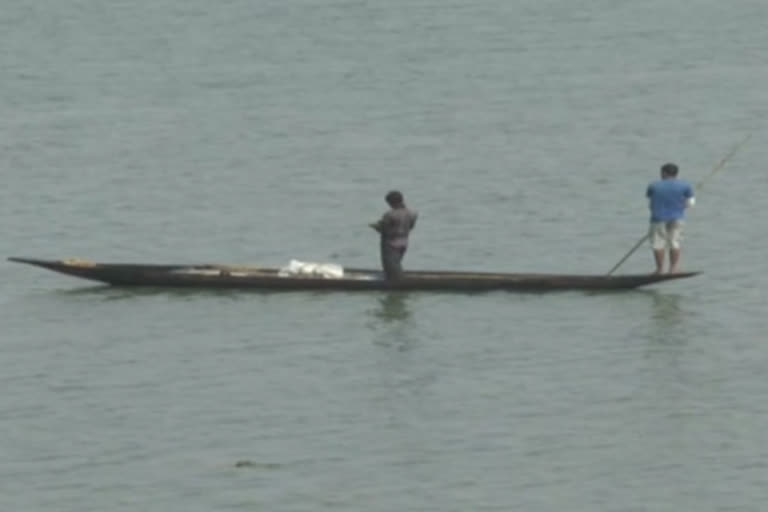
pixel 524 132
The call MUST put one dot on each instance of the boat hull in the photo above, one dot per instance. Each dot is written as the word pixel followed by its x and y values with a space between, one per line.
pixel 265 278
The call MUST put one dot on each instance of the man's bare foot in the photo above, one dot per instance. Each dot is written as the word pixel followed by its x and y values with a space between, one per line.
pixel 673 270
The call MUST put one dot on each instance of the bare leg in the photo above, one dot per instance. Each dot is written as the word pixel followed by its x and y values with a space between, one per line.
pixel 658 255
pixel 674 259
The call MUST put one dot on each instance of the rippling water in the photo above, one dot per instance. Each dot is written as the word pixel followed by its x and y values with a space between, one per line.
pixel 523 132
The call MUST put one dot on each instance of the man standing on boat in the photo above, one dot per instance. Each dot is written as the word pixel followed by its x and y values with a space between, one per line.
pixel 394 227
pixel 668 199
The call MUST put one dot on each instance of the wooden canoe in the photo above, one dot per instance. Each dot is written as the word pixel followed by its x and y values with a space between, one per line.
pixel 265 278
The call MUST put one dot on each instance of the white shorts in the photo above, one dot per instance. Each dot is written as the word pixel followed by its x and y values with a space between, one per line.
pixel 666 235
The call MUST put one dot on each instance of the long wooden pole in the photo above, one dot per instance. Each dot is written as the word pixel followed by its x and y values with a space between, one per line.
pixel 699 185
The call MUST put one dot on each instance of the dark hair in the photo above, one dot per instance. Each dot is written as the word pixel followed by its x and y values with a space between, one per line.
pixel 394 197
pixel 669 169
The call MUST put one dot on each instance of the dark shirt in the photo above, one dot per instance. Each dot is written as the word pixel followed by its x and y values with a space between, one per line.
pixel 395 225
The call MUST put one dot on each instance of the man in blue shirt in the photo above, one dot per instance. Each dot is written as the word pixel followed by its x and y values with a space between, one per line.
pixel 668 199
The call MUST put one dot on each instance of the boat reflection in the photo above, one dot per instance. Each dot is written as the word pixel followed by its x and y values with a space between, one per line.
pixel 105 292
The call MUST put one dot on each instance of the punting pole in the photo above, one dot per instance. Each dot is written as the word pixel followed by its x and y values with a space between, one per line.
pixel 699 185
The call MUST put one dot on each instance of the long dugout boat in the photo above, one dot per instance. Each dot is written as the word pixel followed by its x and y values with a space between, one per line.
pixel 274 279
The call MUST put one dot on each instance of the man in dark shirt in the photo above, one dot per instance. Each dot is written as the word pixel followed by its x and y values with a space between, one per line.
pixel 394 227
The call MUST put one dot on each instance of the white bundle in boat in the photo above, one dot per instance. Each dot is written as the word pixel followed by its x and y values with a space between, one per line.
pixel 302 268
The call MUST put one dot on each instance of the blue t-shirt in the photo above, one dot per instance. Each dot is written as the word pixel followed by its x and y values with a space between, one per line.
pixel 668 198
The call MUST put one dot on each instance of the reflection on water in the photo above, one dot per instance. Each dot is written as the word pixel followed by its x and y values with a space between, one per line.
pixel 404 379
pixel 666 308
pixel 667 318
pixel 392 307
pixel 391 321
pixel 659 317
pixel 109 293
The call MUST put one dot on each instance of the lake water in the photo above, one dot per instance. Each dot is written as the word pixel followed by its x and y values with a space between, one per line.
pixel 523 132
